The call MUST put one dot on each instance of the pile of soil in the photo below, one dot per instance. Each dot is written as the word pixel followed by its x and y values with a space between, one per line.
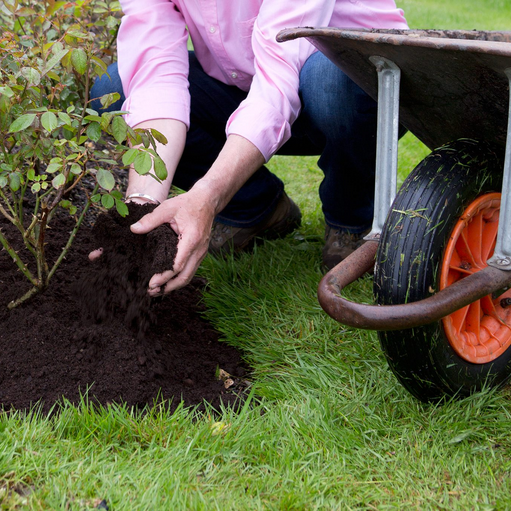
pixel 96 331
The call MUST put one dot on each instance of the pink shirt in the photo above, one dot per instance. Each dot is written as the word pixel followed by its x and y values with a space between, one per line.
pixel 235 43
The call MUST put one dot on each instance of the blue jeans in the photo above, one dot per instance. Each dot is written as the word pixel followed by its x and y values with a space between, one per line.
pixel 337 122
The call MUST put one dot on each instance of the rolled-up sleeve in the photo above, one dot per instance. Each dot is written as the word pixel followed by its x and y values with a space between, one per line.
pixel 153 61
pixel 273 103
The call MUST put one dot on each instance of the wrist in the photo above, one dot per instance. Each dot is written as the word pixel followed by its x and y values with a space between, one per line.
pixel 142 198
pixel 210 193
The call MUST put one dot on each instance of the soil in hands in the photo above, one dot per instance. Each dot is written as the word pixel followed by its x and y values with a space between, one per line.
pixel 96 331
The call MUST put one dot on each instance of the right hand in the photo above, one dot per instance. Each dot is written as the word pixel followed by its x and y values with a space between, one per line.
pixel 191 217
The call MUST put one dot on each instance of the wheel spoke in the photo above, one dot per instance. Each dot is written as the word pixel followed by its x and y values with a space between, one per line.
pixel 473 321
pixel 474 234
pixel 464 250
pixel 459 268
pixel 458 318
pixel 489 237
pixel 487 306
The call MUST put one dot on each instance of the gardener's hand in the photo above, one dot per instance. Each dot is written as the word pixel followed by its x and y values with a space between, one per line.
pixel 191 216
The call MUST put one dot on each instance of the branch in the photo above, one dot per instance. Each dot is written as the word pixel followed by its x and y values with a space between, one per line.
pixel 72 235
pixel 6 215
pixel 21 265
pixel 31 292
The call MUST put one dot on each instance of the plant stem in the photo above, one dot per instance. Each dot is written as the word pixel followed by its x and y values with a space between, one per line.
pixel 31 292
pixel 72 236
pixel 6 215
pixel 21 265
pixel 2 195
pixel 42 266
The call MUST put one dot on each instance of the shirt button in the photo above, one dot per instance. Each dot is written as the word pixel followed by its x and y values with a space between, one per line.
pixel 234 75
pixel 212 29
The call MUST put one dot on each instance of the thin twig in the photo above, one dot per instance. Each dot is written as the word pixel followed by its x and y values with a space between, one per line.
pixel 72 235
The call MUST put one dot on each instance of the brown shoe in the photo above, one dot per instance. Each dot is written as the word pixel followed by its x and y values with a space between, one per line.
pixel 285 218
pixel 339 245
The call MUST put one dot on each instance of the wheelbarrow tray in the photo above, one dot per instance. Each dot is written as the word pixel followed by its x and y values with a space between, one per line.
pixel 453 83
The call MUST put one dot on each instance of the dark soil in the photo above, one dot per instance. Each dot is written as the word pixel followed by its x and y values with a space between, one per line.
pixel 96 332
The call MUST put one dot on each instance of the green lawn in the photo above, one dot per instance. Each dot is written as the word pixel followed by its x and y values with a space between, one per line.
pixel 327 426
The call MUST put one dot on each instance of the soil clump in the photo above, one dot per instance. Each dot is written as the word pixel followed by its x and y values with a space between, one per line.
pixel 95 331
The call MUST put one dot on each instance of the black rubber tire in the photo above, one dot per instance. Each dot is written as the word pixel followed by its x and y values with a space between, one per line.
pixel 408 263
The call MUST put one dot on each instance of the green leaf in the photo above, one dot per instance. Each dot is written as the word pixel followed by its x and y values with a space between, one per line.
pixel 58 55
pixel 129 156
pixel 53 167
pixel 64 118
pixel 6 91
pixel 122 209
pixel 14 181
pixel 31 174
pixel 36 187
pixel 76 169
pixel 53 75
pixel 96 198
pixel 160 137
pixel 79 34
pixel 143 163
pixel 94 131
pixel 119 129
pixel 57 47
pixel 160 169
pixel 145 140
pixel 79 60
pixel 109 99
pixel 105 179
pixel 106 117
pixel 32 75
pixel 3 181
pixel 58 181
pixel 21 123
pixel 107 201
pixel 96 118
pixel 49 121
pixel 100 64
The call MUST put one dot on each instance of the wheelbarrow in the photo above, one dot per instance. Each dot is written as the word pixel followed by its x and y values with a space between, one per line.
pixel 440 256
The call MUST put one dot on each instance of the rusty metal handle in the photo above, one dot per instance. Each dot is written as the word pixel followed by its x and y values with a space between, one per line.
pixel 398 317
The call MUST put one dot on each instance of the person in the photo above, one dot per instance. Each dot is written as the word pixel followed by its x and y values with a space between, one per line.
pixel 232 103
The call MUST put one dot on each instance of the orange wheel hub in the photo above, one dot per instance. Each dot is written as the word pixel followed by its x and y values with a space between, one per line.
pixel 481 331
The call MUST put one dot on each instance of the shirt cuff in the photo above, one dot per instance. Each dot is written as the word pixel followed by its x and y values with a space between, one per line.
pixel 171 104
pixel 261 124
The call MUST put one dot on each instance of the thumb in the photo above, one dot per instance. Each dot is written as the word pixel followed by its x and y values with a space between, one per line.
pixel 148 222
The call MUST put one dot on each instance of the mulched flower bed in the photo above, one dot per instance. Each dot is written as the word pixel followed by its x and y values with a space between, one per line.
pixel 95 331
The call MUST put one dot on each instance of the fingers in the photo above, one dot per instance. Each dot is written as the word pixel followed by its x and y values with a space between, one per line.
pixel 95 254
pixel 150 221
pixel 188 258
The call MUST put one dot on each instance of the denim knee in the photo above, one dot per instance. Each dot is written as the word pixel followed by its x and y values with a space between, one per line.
pixel 108 83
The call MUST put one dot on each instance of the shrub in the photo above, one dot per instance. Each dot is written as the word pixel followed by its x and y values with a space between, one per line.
pixel 50 53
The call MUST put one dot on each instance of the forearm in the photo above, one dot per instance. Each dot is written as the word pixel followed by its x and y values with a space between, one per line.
pixel 170 153
pixel 237 161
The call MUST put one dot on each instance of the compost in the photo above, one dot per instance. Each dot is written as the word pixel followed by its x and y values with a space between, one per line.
pixel 96 333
